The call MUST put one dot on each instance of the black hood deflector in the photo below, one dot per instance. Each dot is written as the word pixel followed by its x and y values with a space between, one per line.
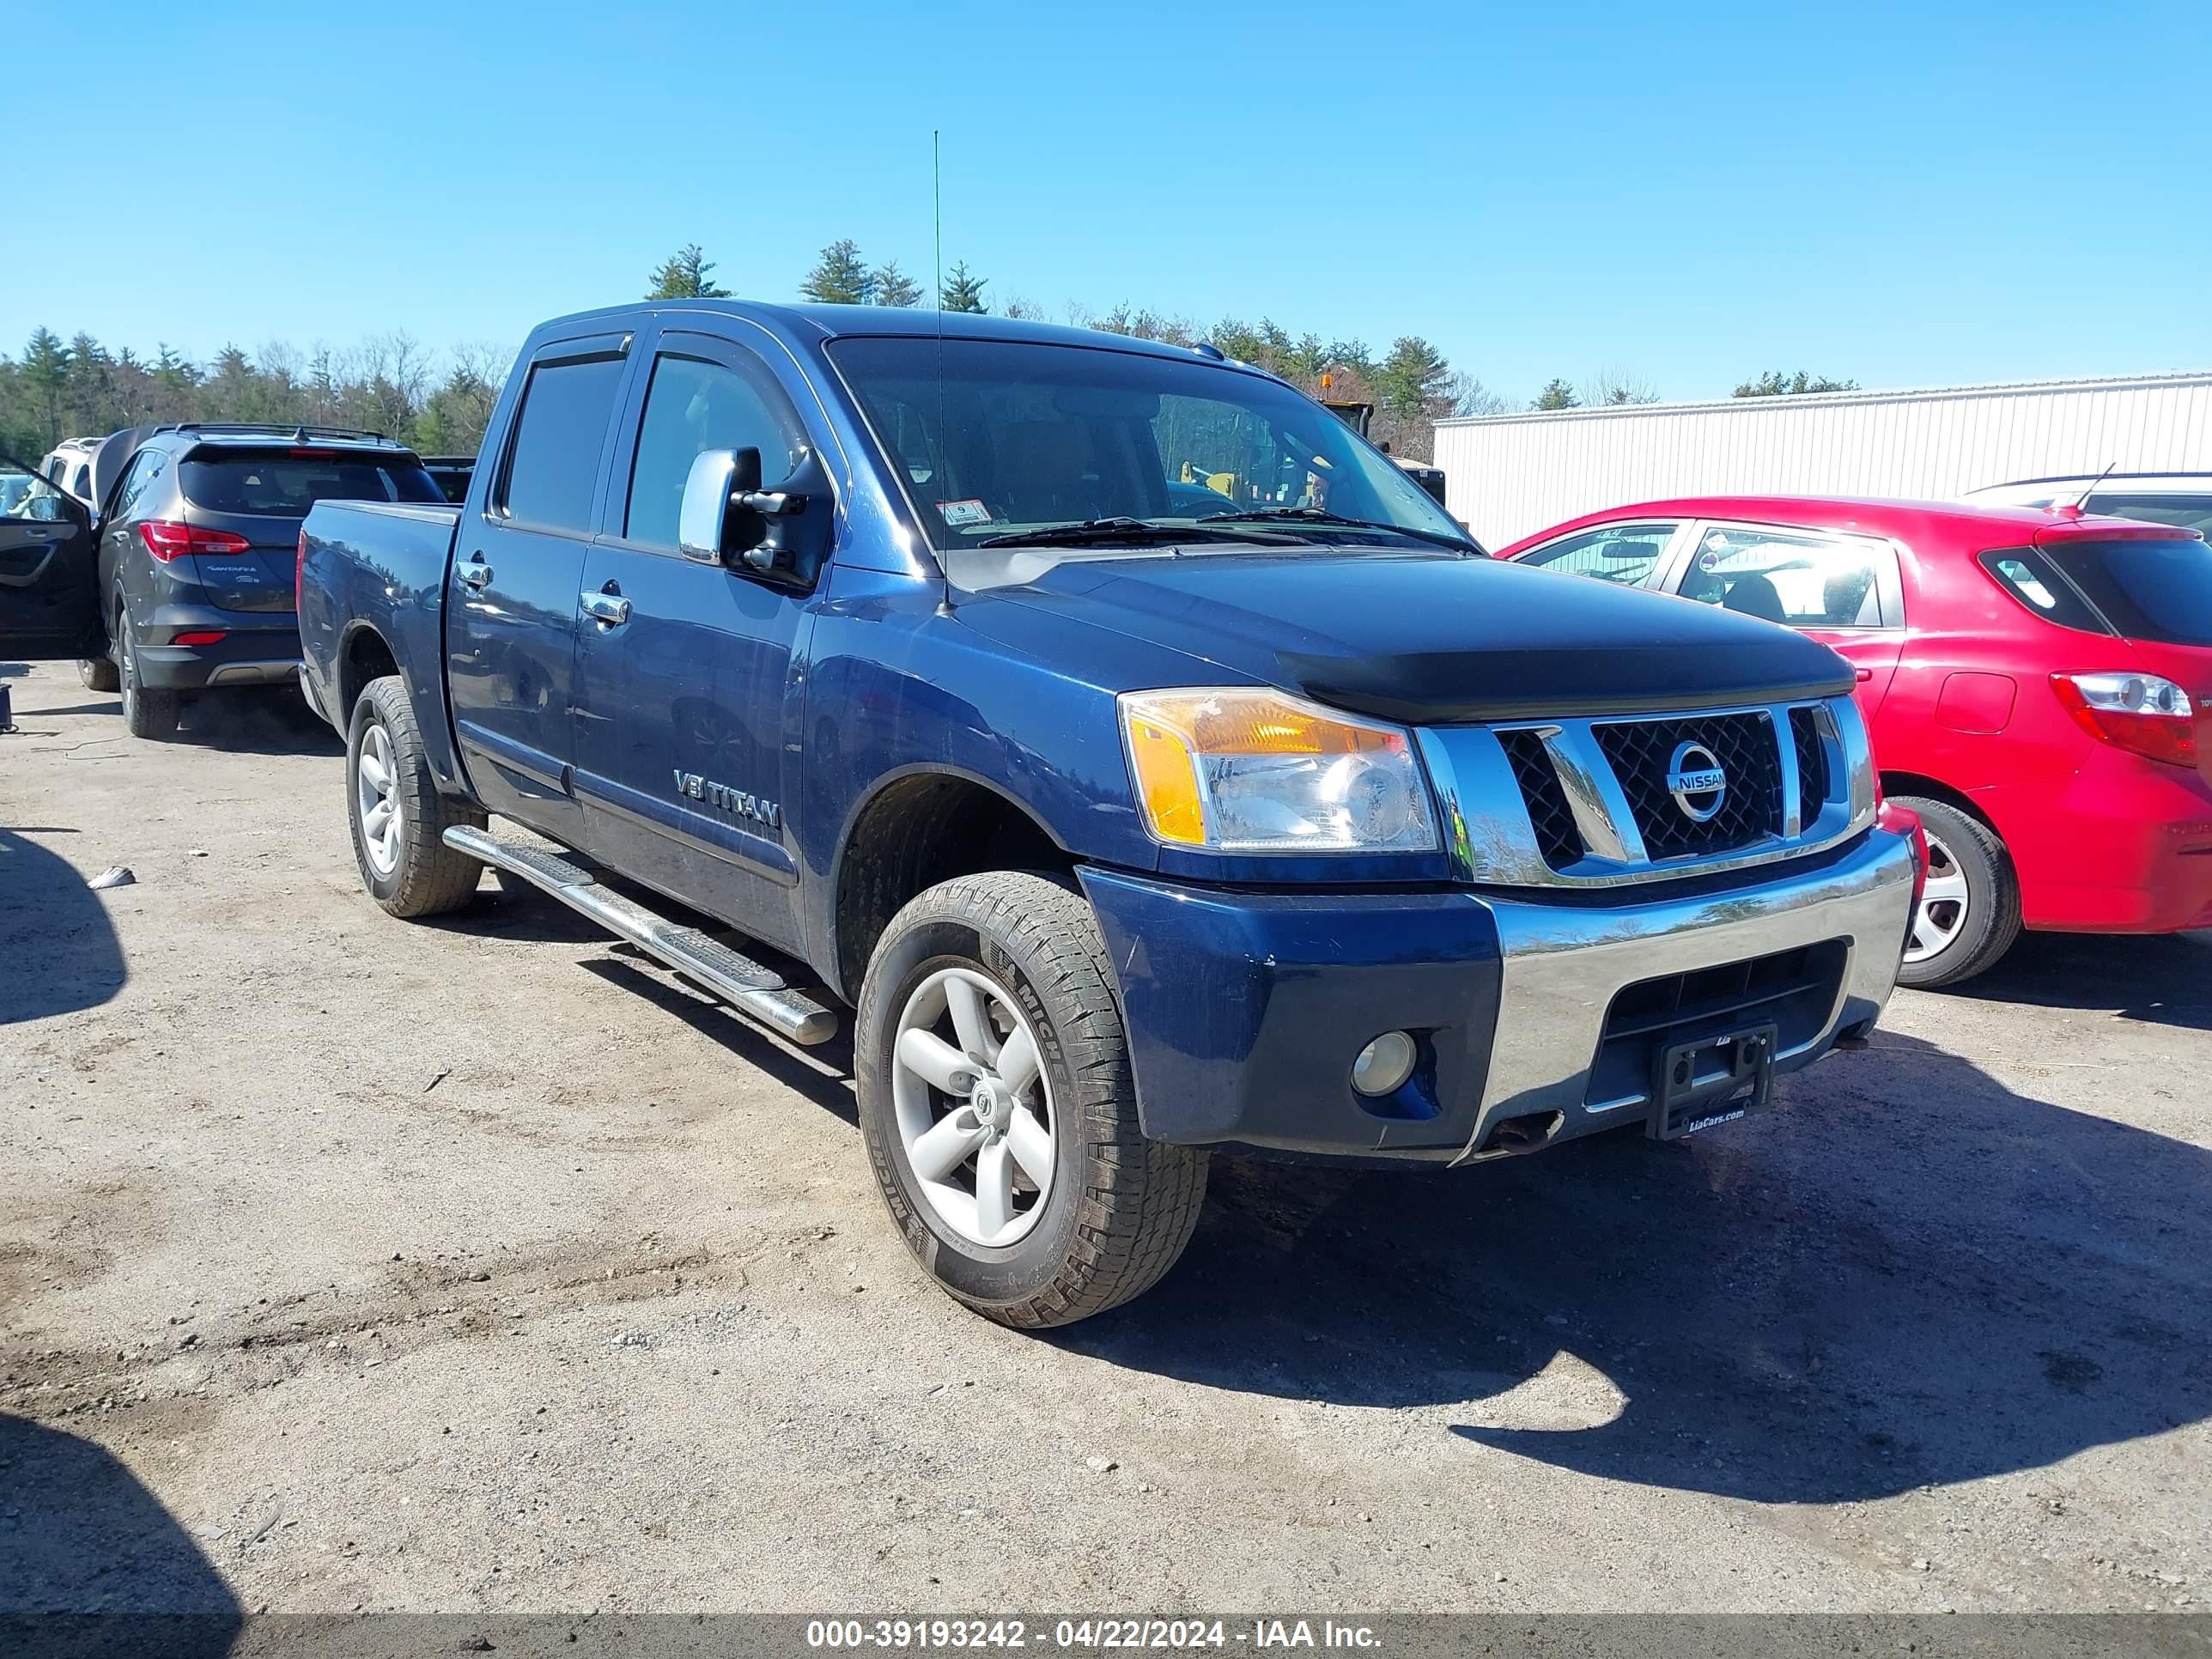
pixel 1435 639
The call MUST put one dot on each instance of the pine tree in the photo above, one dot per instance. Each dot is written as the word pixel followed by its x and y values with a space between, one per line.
pixel 232 391
pixel 1557 394
pixel 171 371
pixel 964 292
pixel 1410 380
pixel 839 276
pixel 683 275
pixel 890 286
pixel 1775 384
pixel 46 371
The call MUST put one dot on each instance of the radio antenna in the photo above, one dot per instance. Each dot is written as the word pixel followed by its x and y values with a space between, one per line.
pixel 937 477
pixel 2082 501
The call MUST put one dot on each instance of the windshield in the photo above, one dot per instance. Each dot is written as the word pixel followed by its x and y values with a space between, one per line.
pixel 1004 438
pixel 2150 590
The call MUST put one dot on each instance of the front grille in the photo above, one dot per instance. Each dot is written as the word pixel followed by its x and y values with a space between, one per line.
pixel 1557 837
pixel 1812 765
pixel 1641 753
pixel 1796 989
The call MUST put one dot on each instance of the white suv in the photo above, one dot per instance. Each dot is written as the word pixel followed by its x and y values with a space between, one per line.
pixel 68 463
pixel 2181 498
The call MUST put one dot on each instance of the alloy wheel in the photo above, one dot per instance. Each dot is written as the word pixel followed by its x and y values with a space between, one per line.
pixel 975 1108
pixel 376 800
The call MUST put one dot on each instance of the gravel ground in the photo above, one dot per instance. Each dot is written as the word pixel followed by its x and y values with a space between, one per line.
pixel 483 1266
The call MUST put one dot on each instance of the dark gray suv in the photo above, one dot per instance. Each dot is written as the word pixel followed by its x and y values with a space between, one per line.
pixel 198 545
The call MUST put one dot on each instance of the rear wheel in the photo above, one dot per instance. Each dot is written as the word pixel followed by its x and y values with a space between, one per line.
pixel 1000 1112
pixel 148 712
pixel 1969 913
pixel 98 673
pixel 399 817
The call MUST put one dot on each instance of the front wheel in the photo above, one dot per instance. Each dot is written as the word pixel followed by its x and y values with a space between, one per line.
pixel 1000 1111
pixel 399 819
pixel 1969 913
pixel 98 673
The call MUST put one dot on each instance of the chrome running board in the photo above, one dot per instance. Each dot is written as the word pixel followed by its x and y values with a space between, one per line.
pixel 757 992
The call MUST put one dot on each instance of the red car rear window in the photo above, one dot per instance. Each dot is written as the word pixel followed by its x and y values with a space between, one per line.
pixel 2148 590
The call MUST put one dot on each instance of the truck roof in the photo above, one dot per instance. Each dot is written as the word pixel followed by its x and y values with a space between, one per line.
pixel 822 322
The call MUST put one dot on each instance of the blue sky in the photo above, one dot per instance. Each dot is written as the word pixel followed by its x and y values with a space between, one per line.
pixel 1911 195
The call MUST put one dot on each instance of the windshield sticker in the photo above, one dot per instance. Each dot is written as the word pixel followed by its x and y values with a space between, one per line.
pixel 961 514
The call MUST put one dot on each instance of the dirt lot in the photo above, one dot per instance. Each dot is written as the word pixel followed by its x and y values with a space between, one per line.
pixel 482 1266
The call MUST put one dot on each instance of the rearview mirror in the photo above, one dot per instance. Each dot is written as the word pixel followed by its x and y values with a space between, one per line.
pixel 726 516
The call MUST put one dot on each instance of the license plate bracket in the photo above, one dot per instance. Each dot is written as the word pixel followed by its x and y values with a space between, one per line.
pixel 1714 1080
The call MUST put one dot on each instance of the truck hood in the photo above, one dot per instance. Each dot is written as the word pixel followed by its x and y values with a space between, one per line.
pixel 1435 639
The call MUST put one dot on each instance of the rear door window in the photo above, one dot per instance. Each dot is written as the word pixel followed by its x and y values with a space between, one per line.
pixel 286 482
pixel 553 468
pixel 1801 578
pixel 145 469
pixel 2158 590
pixel 1623 553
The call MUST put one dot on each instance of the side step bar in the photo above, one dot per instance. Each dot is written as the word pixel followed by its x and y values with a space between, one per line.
pixel 739 981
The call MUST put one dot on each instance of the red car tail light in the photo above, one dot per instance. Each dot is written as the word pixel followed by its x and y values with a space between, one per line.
pixel 2139 713
pixel 300 570
pixel 165 539
pixel 201 636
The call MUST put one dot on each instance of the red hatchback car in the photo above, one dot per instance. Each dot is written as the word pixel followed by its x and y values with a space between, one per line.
pixel 2037 683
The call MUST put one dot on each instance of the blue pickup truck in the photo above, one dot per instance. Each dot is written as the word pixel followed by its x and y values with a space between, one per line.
pixel 1138 760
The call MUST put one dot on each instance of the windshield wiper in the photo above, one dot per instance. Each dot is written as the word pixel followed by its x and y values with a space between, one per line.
pixel 1322 516
pixel 1100 533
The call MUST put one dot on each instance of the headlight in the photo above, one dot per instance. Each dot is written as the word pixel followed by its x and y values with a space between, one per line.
pixel 1254 771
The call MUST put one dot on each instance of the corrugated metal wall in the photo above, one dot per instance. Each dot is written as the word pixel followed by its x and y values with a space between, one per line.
pixel 1508 475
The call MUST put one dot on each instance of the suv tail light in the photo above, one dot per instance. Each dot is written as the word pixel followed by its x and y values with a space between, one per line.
pixel 165 539
pixel 300 569
pixel 2139 713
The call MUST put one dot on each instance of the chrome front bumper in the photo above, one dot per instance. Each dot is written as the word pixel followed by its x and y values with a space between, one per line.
pixel 1563 965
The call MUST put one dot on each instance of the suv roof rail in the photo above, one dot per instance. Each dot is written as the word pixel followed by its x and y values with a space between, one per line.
pixel 292 430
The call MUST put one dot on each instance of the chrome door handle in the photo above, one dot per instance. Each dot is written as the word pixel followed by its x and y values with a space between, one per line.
pixel 605 609
pixel 475 573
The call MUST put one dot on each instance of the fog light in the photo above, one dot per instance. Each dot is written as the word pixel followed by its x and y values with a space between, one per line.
pixel 1384 1065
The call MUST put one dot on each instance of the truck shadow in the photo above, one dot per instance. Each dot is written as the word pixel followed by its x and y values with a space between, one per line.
pixel 2163 979
pixel 59 950
pixel 511 908
pixel 1907 1274
pixel 823 1076
pixel 80 1535
pixel 274 721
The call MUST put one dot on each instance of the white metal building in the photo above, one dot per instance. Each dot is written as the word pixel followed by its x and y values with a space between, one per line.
pixel 1512 474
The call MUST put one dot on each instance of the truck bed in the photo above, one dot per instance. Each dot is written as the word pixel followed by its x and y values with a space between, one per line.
pixel 376 570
